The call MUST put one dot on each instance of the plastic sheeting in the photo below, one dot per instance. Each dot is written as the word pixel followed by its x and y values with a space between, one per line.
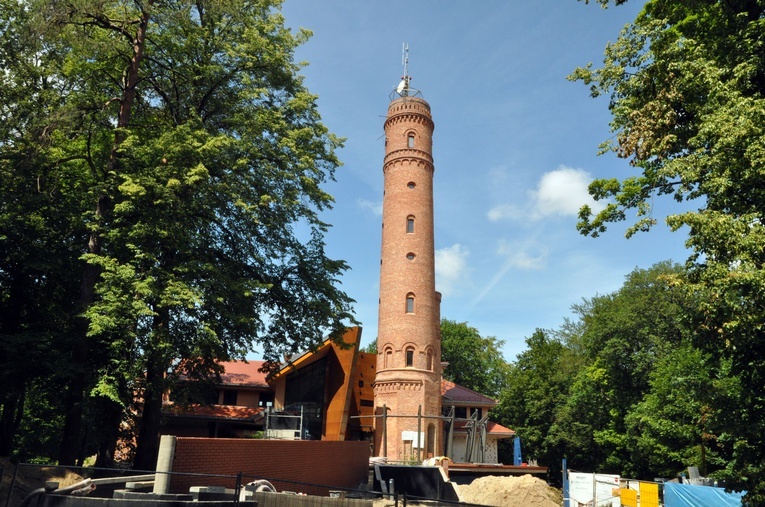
pixel 517 457
pixel 688 495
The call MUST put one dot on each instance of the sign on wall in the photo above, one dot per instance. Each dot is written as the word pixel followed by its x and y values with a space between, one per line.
pixel 411 436
pixel 593 489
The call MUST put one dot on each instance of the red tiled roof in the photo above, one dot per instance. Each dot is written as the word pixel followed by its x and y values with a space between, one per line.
pixel 457 393
pixel 493 428
pixel 241 374
pixel 230 412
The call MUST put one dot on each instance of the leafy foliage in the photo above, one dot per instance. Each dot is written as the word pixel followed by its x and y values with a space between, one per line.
pixel 475 362
pixel 671 424
pixel 161 168
pixel 687 85
pixel 537 383
pixel 589 390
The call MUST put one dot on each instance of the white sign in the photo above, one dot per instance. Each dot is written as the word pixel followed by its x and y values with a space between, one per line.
pixel 412 437
pixel 593 489
pixel 580 488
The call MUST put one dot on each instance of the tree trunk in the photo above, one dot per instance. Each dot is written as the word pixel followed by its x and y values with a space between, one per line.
pixel 13 408
pixel 107 430
pixel 151 419
pixel 15 388
pixel 76 388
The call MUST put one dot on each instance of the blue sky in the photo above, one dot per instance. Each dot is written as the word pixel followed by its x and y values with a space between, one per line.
pixel 515 145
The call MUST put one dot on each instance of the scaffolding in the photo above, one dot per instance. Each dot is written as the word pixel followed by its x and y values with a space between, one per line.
pixel 476 433
pixel 283 425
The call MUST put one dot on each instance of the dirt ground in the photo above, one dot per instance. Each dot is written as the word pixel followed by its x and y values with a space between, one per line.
pixel 30 478
pixel 505 491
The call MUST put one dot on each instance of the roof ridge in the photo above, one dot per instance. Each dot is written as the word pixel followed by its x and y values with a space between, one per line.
pixel 467 389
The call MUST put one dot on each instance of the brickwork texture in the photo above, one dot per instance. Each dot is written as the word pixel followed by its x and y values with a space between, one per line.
pixel 408 338
pixel 306 466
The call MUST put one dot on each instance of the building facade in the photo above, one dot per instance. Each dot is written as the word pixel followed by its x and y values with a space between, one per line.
pixel 407 384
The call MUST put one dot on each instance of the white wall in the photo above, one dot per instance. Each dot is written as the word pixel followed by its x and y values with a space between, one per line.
pixel 460 446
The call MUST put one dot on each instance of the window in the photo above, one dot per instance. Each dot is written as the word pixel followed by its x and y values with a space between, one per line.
pixel 410 141
pixel 410 184
pixel 410 224
pixel 266 400
pixel 431 445
pixel 429 359
pixel 229 397
pixel 388 360
pixel 409 357
pixel 305 388
pixel 410 256
pixel 410 303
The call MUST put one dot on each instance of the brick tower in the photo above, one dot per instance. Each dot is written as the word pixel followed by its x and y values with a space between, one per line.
pixel 408 379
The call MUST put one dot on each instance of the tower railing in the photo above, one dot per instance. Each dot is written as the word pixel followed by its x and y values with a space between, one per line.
pixel 408 92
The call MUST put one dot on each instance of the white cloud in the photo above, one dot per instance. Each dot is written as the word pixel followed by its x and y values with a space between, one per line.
pixel 562 192
pixel 498 176
pixel 451 267
pixel 504 211
pixel 559 192
pixel 526 257
pixel 375 207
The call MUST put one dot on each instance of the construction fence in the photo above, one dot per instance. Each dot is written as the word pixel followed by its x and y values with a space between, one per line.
pixel 607 490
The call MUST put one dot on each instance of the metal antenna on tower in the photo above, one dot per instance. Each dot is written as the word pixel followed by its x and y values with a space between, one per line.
pixel 405 58
pixel 403 87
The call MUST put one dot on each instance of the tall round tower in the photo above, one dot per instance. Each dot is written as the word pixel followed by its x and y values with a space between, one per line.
pixel 408 380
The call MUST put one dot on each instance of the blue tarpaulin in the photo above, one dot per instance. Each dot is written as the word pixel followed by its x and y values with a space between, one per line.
pixel 517 459
pixel 688 495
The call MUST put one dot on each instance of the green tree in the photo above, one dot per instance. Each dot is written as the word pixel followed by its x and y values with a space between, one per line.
pixel 537 383
pixel 195 157
pixel 576 392
pixel 670 424
pixel 686 81
pixel 625 336
pixel 41 231
pixel 627 333
pixel 475 362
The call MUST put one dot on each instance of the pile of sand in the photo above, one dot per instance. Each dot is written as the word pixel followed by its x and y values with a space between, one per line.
pixel 508 491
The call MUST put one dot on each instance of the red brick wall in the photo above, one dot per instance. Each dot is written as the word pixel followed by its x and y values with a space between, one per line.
pixel 406 388
pixel 320 465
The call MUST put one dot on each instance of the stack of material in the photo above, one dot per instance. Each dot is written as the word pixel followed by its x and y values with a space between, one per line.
pixel 509 491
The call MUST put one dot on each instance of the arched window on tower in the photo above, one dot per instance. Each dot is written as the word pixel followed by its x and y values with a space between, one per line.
pixel 430 447
pixel 410 140
pixel 409 357
pixel 410 303
pixel 429 359
pixel 388 357
pixel 410 224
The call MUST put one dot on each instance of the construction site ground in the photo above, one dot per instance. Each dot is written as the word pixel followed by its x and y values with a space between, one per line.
pixel 495 491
